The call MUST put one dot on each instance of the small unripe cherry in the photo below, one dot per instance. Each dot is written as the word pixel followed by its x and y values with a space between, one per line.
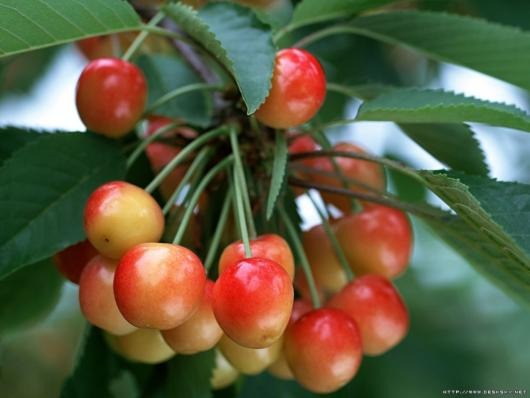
pixel 252 301
pixel 143 345
pixel 323 349
pixel 110 96
pixel 96 297
pixel 378 240
pixel 159 285
pixel 297 92
pixel 119 215
pixel 223 373
pixel 200 332
pixel 249 361
pixel 377 308
pixel 270 246
pixel 71 261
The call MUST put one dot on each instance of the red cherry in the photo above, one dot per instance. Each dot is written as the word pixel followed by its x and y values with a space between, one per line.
pixel 377 240
pixel 111 96
pixel 252 302
pixel 159 285
pixel 297 92
pixel 323 349
pixel 376 307
pixel 96 297
pixel 95 47
pixel 71 261
pixel 271 246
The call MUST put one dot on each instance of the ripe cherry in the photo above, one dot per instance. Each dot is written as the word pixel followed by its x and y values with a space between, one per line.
pixel 252 301
pixel 376 307
pixel 271 246
pixel 143 345
pixel 249 361
pixel 159 285
pixel 297 92
pixel 199 333
pixel 71 261
pixel 377 240
pixel 119 215
pixel 323 349
pixel 223 373
pixel 111 96
pixel 96 297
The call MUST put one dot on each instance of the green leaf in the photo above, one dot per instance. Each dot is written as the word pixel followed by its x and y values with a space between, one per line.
pixel 238 39
pixel 12 139
pixel 43 189
pixel 443 140
pixel 29 25
pixel 496 50
pixel 279 168
pixel 189 375
pixel 164 74
pixel 28 295
pixel 438 106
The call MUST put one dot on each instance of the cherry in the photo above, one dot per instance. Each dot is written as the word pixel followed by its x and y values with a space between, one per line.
pixel 323 349
pixel 377 240
pixel 302 286
pixel 159 285
pixel 143 345
pixel 110 96
pixel 298 88
pixel 249 361
pixel 119 215
pixel 223 374
pixel 325 266
pixel 252 301
pixel 71 261
pixel 368 173
pixel 271 246
pixel 95 47
pixel 377 308
pixel 199 333
pixel 96 297
pixel 304 143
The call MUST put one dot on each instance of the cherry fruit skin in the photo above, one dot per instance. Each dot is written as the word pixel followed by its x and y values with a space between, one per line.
pixel 249 361
pixel 297 92
pixel 223 373
pixel 119 215
pixel 111 96
pixel 378 240
pixel 323 349
pixel 71 261
pixel 96 297
pixel 159 285
pixel 143 345
pixel 270 246
pixel 252 302
pixel 377 308
pixel 200 332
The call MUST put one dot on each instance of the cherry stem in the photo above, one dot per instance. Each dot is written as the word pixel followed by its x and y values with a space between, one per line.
pixel 183 90
pixel 148 140
pixel 140 38
pixel 221 224
pixel 240 175
pixel 195 168
pixel 332 238
pixel 197 194
pixel 240 213
pixel 299 250
pixel 183 154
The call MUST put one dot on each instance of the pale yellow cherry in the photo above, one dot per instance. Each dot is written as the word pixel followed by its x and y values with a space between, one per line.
pixel 249 361
pixel 223 373
pixel 143 345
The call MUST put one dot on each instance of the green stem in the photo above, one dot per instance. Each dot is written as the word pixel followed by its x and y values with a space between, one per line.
pixel 299 250
pixel 332 238
pixel 183 90
pixel 140 38
pixel 146 141
pixel 195 168
pixel 240 175
pixel 197 194
pixel 320 34
pixel 239 207
pixel 183 154
pixel 221 223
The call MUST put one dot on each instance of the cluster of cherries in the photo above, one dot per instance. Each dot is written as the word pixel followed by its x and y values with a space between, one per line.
pixel 154 299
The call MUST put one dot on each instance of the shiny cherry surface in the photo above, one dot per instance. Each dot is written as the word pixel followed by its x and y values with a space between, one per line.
pixel 71 261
